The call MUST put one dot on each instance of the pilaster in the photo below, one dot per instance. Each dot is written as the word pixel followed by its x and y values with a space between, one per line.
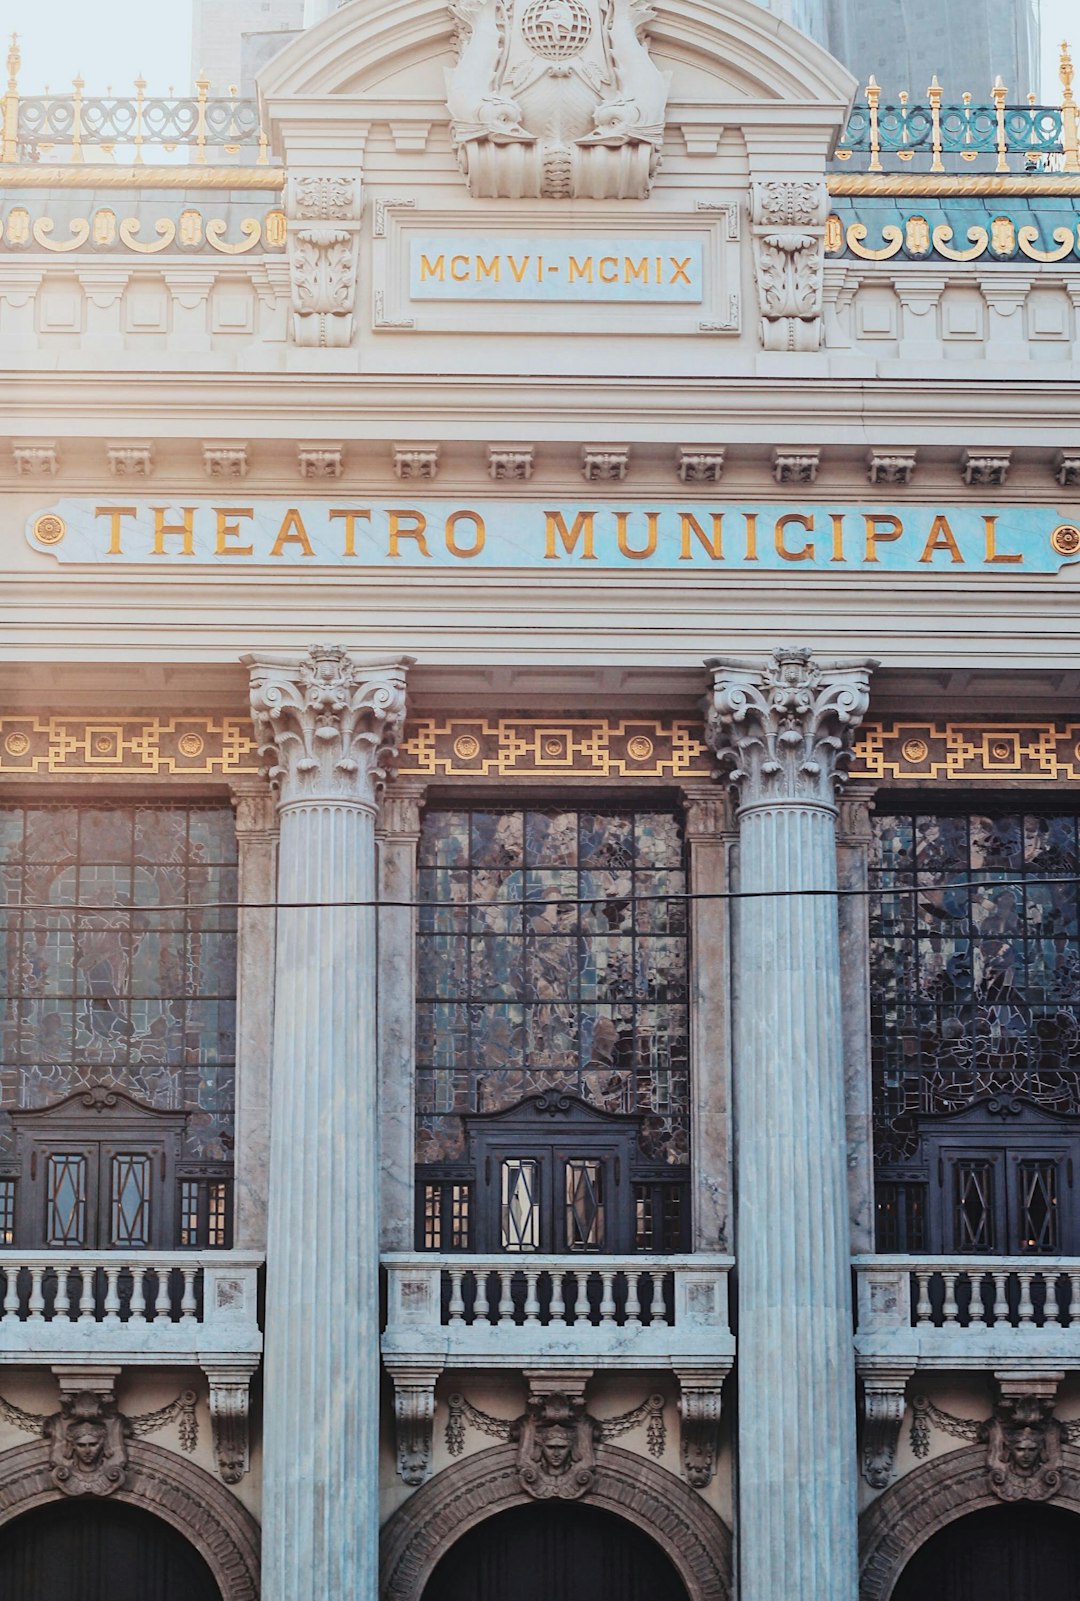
pixel 328 726
pixel 853 857
pixel 256 841
pixel 782 733
pixel 398 834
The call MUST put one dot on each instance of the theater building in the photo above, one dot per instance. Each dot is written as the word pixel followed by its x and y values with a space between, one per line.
pixel 539 760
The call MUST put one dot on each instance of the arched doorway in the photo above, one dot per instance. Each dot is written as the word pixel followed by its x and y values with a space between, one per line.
pixel 550 1549
pixel 94 1550
pixel 1022 1552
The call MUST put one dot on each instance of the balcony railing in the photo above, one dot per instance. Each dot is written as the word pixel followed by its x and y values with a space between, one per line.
pixel 637 1311
pixel 120 1306
pixel 967 1311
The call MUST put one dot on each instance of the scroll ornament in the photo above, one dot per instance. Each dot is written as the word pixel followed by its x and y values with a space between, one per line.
pixel 788 226
pixel 323 241
pixel 557 99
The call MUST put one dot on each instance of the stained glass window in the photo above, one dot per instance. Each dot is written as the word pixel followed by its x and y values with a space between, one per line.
pixel 568 973
pixel 975 964
pixel 118 960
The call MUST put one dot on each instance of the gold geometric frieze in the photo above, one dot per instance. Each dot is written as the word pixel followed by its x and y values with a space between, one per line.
pixel 578 748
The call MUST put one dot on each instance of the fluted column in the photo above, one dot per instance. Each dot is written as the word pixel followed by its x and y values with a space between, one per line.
pixel 782 731
pixel 328 725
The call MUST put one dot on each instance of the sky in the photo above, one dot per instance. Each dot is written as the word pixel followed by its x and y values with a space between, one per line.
pixel 111 42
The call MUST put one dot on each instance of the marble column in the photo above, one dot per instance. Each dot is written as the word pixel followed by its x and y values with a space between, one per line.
pixel 781 731
pixel 328 725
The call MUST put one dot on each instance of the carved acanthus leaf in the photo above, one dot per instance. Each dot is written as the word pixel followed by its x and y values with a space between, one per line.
pixel 788 227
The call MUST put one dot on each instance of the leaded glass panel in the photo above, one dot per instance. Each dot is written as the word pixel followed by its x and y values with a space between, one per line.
pixel 129 1189
pixel 552 956
pixel 520 1205
pixel 65 1200
pixel 1038 1206
pixel 118 960
pixel 584 1182
pixel 974 1215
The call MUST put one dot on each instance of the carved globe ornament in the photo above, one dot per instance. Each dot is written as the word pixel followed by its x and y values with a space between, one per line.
pixel 557 30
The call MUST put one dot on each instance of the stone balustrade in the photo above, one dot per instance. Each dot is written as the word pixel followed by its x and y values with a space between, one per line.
pixel 943 1312
pixel 502 1311
pixel 116 1306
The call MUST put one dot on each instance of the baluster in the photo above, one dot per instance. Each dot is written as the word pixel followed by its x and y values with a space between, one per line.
pixel 140 92
pixel 138 1294
pixel 1070 135
pixel 532 1304
pixel 11 1290
pixel 37 1300
pixel 581 1299
pixel 904 153
pixel 457 1300
pixel 933 94
pixel 999 93
pixel 188 1304
pixel 949 1308
pixel 633 1305
pixel 657 1309
pixel 76 125
pixel 506 1299
pixel 163 1299
pixel 480 1305
pixel 1050 1304
pixel 1027 1310
pixel 923 1310
pixel 873 100
pixel 11 118
pixel 87 1275
pixel 264 159
pixel 976 1311
pixel 558 1307
pixel 607 1299
pixel 62 1301
pixel 1001 1298
pixel 112 1295
pixel 967 155
pixel 1073 1314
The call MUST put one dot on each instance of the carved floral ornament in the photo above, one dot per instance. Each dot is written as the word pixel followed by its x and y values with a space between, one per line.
pixel 556 99
pixel 788 229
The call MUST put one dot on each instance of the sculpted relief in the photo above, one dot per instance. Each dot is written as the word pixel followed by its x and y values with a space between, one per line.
pixel 556 99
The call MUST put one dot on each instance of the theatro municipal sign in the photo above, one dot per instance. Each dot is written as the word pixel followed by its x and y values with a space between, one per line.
pixel 555 535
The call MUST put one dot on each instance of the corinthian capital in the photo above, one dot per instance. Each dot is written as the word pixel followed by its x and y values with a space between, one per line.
pixel 327 725
pixel 782 730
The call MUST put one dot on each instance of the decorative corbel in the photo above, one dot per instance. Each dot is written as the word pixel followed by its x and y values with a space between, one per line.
pixel 788 227
pixel 229 1405
pixel 700 1403
pixel 414 1418
pixel 324 240
pixel 883 1404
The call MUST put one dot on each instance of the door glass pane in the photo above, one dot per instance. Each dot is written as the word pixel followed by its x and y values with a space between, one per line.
pixel 7 1211
pixel 974 1215
pixel 130 1204
pixel 584 1206
pixel 520 1206
pixel 1038 1206
pixel 65 1217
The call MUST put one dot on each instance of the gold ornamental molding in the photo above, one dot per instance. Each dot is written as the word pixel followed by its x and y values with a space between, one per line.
pixel 82 176
pixel 621 749
pixel 1046 185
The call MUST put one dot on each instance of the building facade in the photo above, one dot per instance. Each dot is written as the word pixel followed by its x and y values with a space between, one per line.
pixel 539 811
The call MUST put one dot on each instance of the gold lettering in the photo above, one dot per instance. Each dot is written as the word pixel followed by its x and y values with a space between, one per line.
pixel 115 513
pixel 185 530
pixel 488 269
pixel 459 277
pixel 882 529
pixel 292 532
pixel 479 533
pixel 349 517
pixel 806 552
pixel 432 269
pixel 641 271
pixel 679 274
pixel 751 535
pixel 555 523
pixel 399 531
pixel 992 552
pixel 582 269
pixel 518 272
pixel 941 537
pixel 227 530
pixel 713 546
pixel 838 536
pixel 612 276
pixel 652 519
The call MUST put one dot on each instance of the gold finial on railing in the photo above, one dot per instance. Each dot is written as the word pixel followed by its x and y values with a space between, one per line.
pixel 904 154
pixel 140 92
pixel 1070 142
pixel 202 87
pixel 933 94
pixel 999 93
pixel 76 120
pixel 873 100
pixel 264 157
pixel 11 103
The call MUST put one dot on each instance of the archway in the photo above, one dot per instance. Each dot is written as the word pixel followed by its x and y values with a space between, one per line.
pixel 93 1550
pixel 1003 1553
pixel 571 1550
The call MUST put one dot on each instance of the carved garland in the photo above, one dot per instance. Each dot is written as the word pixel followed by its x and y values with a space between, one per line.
pixel 222 1530
pixel 695 1539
